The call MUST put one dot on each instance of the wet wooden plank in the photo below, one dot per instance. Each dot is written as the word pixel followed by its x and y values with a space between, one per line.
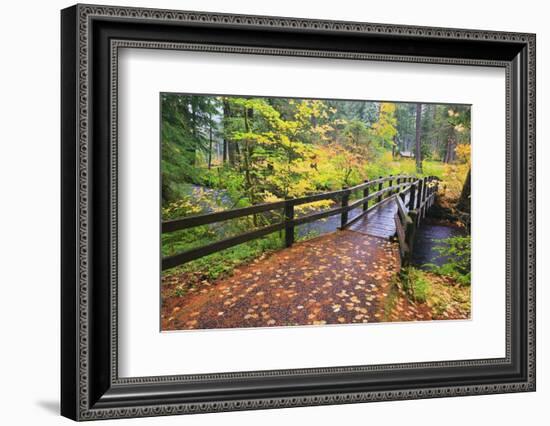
pixel 379 222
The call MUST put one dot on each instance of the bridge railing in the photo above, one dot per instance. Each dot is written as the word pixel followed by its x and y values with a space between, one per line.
pixel 380 190
pixel 422 195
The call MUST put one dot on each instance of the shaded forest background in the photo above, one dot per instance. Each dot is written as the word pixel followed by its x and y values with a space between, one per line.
pixel 262 149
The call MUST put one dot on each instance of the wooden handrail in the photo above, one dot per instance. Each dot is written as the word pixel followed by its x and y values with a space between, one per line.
pixel 408 217
pixel 402 211
pixel 208 218
pixel 289 222
pixel 186 256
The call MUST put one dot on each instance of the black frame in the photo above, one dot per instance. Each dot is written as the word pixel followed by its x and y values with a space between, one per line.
pixel 90 386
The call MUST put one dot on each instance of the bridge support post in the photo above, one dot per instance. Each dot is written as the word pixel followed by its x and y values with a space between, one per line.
pixel 420 192
pixel 424 199
pixel 412 197
pixel 419 201
pixel 436 189
pixel 410 232
pixel 365 195
pixel 289 228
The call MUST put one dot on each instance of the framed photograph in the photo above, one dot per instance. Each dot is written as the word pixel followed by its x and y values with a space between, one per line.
pixel 263 212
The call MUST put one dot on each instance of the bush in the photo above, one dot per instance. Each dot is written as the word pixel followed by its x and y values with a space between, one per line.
pixel 415 284
pixel 224 262
pixel 386 165
pixel 457 250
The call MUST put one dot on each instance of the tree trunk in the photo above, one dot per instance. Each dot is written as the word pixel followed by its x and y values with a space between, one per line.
pixel 210 144
pixel 194 146
pixel 246 163
pixel 224 151
pixel 464 200
pixel 226 115
pixel 229 146
pixel 418 151
pixel 450 149
pixel 247 159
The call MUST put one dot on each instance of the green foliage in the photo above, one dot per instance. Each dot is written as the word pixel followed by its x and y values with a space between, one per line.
pixel 185 120
pixel 415 283
pixel 405 126
pixel 457 252
pixel 443 296
pixel 185 206
pixel 384 131
pixel 387 165
pixel 356 133
pixel 222 263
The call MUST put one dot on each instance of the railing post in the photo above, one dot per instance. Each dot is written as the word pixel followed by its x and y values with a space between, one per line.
pixel 390 183
pixel 345 202
pixel 419 201
pixel 424 198
pixel 412 196
pixel 365 195
pixel 289 227
pixel 397 182
pixel 380 189
pixel 420 190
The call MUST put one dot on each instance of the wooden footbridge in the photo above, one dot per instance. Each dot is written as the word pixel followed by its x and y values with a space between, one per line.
pixel 386 207
pixel 341 277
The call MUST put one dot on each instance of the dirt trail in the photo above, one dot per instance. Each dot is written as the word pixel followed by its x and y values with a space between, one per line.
pixel 342 277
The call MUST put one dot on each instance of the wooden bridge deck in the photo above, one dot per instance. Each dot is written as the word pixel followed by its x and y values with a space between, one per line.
pixel 380 221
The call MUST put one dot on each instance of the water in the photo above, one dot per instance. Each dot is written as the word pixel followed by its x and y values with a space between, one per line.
pixel 208 196
pixel 319 227
pixel 425 242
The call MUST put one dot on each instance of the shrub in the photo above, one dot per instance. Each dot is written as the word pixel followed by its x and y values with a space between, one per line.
pixel 457 251
pixel 415 284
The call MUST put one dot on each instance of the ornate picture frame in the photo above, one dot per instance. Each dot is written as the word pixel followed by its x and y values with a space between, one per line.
pixel 91 386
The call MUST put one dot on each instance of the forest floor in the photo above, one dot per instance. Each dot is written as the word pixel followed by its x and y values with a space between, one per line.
pixel 339 278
